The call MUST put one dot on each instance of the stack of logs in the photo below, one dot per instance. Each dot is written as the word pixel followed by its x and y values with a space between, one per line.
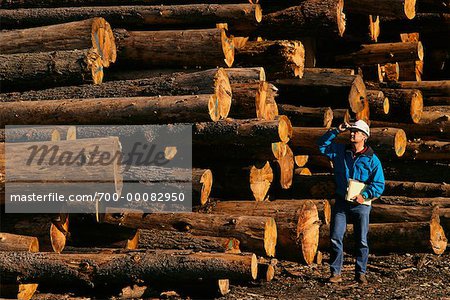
pixel 260 83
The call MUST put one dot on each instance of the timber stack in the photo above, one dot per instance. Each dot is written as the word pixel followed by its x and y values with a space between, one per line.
pixel 258 83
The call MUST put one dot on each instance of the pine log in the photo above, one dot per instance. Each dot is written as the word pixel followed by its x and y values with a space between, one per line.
pixel 428 150
pixel 246 75
pixel 74 271
pixel 340 116
pixel 134 110
pixel 242 19
pixel 25 71
pixel 381 53
pixel 433 113
pixel 91 33
pixel 246 132
pixel 430 24
pixel 285 165
pixel 442 202
pixel 320 164
pixel 159 239
pixel 260 181
pixel 417 189
pixel 174 48
pixel 402 101
pixel 411 70
pixel 204 156
pixel 428 88
pixel 379 104
pixel 280 59
pixel 385 238
pixel 395 170
pixel 214 81
pixel 258 234
pixel 387 142
pixel 326 89
pixel 437 130
pixel 391 72
pixel 267 268
pixel 246 97
pixel 310 18
pixel 330 70
pixel 430 101
pixel 404 9
pixel 307 116
pixel 390 213
pixel 374 27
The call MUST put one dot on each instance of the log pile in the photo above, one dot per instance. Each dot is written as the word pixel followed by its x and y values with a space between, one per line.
pixel 258 83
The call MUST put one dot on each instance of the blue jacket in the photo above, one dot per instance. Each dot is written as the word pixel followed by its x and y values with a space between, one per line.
pixel 365 167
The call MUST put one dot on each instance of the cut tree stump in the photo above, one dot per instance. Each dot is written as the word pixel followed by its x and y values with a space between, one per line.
pixel 258 234
pixel 25 71
pixel 174 48
pixel 93 33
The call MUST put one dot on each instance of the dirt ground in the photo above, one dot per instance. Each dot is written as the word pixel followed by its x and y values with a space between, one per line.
pixel 407 276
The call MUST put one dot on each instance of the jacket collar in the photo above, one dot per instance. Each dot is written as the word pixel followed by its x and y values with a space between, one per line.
pixel 369 151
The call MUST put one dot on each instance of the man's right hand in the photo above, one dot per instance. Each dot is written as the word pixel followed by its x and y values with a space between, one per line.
pixel 343 127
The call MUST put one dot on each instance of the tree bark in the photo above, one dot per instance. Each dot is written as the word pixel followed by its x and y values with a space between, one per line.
pixel 14 242
pixel 381 53
pixel 66 36
pixel 404 9
pixel 258 234
pixel 174 48
pixel 389 213
pixel 72 271
pixel 430 24
pixel 402 101
pixel 428 150
pixel 159 239
pixel 307 116
pixel 37 134
pixel 428 88
pixel 340 116
pixel 330 70
pixel 326 89
pixel 391 72
pixel 429 101
pixel 407 201
pixel 25 71
pixel 242 19
pixel 280 59
pixel 310 18
pixel 246 97
pixel 246 75
pixel 437 130
pixel 379 104
pixel 133 110
pixel 214 81
pixel 433 113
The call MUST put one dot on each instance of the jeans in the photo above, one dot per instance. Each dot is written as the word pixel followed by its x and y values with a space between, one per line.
pixel 341 212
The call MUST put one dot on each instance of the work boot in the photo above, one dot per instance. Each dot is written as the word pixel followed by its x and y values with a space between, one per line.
pixel 361 278
pixel 335 278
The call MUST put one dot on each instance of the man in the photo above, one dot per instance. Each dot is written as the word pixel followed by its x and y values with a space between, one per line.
pixel 356 161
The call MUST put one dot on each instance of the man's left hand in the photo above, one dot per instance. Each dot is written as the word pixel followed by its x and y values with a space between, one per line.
pixel 359 199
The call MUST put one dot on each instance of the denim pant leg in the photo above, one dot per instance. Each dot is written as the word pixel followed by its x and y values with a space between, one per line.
pixel 360 218
pixel 337 231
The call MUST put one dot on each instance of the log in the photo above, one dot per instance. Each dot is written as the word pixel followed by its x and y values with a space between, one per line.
pixel 385 238
pixel 258 234
pixel 246 97
pixel 400 9
pixel 428 88
pixel 411 70
pixel 379 104
pixel 36 134
pixel 387 142
pixel 372 73
pixel 381 53
pixel 433 113
pixel 430 101
pixel 267 268
pixel 437 130
pixel 133 110
pixel 214 81
pixel 320 164
pixel 310 18
pixel 417 189
pixel 91 33
pixel 326 89
pixel 260 181
pixel 390 213
pixel 174 48
pixel 402 101
pixel 280 59
pixel 407 201
pixel 330 70
pixel 340 115
pixel 285 166
pixel 267 108
pixel 246 75
pixel 391 72
pixel 394 170
pixel 302 171
pixel 242 19
pixel 430 24
pixel 301 160
pixel 307 116
pixel 428 150
pixel 160 239
pixel 246 132
pixel 361 28
pixel 87 271
pixel 25 71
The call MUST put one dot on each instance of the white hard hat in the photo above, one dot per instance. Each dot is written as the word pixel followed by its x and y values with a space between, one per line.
pixel 361 126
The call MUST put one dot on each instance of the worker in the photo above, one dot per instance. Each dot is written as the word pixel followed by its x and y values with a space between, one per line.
pixel 356 161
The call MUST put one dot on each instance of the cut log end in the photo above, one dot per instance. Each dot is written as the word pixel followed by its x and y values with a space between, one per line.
pixel 416 106
pixel 258 13
pixel 94 62
pixel 254 267
pixel 391 72
pixel 327 117
pixel 374 27
pixel 340 17
pixel 327 211
pixel 386 105
pixel 26 291
pixel 206 180
pixel 223 93
pixel 308 230
pixel 262 74
pixel 270 274
pixel 239 42
pixel 170 152
pixel 227 48
pixel 232 246
pixel 357 95
pixel 56 135
pixel 71 134
pixel 301 160
pixel 270 237
pixel 438 239
pixel 410 9
pixel 214 108
pixel 400 142
pixel 58 235
pixel 224 286
pixel 284 128
pixel 298 59
pixel 303 171
pixel 103 41
pixel 286 168
pixel 420 51
pixel 260 181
